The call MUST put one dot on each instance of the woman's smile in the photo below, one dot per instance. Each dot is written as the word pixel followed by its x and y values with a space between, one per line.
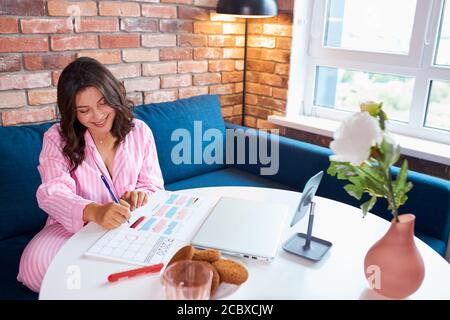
pixel 93 110
pixel 101 124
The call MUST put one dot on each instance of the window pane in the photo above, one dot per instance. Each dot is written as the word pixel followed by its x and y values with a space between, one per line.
pixel 443 51
pixel 370 25
pixel 345 89
pixel 438 112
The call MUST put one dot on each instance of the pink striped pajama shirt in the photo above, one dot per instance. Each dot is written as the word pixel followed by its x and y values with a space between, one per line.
pixel 63 195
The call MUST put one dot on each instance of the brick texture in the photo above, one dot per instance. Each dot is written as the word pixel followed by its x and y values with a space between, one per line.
pixel 268 59
pixel 47 61
pixel 9 63
pixel 112 8
pixel 73 42
pixel 24 116
pixel 105 57
pixel 71 8
pixel 24 44
pixel 23 7
pixel 162 50
pixel 97 25
pixel 9 25
pixel 46 25
pixel 121 71
pixel 39 97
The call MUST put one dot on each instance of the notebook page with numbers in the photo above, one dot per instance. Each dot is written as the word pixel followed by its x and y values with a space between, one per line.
pixel 155 231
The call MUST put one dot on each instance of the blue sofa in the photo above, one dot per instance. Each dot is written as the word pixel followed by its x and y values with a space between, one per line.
pixel 21 218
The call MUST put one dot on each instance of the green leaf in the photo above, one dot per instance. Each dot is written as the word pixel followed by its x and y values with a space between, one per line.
pixel 368 205
pixel 401 187
pixel 401 197
pixel 343 170
pixel 355 190
pixel 401 177
pixel 372 180
pixel 390 151
pixel 332 171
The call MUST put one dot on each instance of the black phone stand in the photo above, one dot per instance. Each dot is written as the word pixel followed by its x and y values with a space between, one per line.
pixel 305 245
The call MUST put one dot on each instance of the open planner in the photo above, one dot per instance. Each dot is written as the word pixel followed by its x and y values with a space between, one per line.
pixel 154 229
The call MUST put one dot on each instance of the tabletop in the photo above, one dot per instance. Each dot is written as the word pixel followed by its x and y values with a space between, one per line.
pixel 339 275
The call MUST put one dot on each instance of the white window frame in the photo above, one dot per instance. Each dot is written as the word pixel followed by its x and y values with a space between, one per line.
pixel 307 53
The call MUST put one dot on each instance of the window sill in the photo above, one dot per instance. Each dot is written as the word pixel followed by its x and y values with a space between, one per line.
pixel 414 147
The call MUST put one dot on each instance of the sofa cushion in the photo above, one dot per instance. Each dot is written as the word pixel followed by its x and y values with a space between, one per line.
pixel 226 177
pixel 429 201
pixel 20 147
pixel 164 118
pixel 438 245
pixel 10 250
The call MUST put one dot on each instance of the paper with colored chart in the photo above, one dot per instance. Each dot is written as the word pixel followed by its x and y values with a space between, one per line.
pixel 154 230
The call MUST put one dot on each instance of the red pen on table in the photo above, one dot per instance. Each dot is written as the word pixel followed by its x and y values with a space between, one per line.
pixel 131 273
pixel 137 222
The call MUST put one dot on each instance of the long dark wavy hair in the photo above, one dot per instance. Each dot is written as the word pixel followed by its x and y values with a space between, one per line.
pixel 77 76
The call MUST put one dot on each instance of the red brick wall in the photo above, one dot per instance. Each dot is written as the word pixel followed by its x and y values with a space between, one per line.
pixel 161 49
pixel 269 44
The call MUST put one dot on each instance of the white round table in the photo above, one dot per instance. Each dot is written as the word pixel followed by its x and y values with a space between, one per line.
pixel 339 275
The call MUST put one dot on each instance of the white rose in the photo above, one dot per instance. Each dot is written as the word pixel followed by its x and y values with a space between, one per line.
pixel 354 138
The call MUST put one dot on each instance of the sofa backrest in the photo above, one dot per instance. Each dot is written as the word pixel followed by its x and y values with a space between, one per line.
pixel 188 114
pixel 20 147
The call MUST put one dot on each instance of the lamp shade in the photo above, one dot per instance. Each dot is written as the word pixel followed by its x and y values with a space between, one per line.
pixel 248 8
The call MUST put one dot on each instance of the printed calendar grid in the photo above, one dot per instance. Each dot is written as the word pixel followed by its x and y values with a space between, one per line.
pixel 145 248
pixel 167 217
pixel 153 237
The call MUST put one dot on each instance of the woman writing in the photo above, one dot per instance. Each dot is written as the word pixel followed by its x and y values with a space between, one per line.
pixel 96 165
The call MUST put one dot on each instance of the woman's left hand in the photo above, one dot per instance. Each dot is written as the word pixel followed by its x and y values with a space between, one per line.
pixel 135 198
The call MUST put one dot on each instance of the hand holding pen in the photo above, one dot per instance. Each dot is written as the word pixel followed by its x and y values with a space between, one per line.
pixel 113 196
pixel 110 215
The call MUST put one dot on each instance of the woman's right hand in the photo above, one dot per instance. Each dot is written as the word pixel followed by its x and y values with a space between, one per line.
pixel 109 216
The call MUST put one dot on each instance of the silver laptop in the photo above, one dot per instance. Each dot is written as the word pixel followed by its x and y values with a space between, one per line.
pixel 246 228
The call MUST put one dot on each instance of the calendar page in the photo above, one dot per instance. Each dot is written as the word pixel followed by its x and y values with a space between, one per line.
pixel 167 221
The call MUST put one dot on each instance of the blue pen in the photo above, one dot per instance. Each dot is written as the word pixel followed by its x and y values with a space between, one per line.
pixel 110 191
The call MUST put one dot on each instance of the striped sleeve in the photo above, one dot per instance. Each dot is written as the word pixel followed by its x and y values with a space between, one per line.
pixel 150 178
pixel 57 193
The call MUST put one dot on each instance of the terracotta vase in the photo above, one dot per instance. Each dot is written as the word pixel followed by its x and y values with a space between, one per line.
pixel 393 265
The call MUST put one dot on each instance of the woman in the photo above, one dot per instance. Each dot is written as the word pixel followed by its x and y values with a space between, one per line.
pixel 96 153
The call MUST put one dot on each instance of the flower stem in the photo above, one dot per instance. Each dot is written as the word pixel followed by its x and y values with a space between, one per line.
pixel 390 195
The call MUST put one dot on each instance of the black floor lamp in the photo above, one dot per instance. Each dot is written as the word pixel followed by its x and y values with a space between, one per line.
pixel 247 9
